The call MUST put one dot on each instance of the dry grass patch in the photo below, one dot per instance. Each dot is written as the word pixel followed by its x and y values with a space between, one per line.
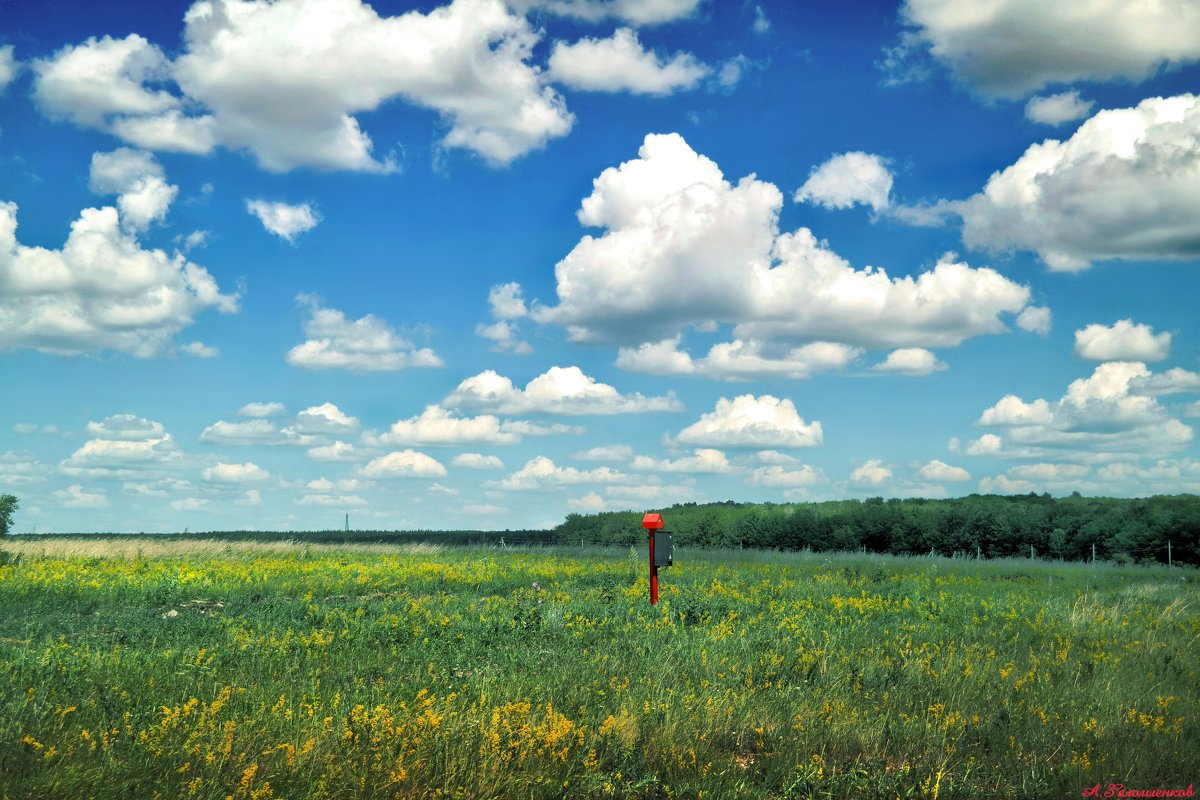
pixel 154 547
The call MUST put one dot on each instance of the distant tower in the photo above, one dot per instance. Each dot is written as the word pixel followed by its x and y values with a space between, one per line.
pixel 347 523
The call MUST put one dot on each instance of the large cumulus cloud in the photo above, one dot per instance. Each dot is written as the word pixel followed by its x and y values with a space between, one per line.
pixel 287 80
pixel 1125 185
pixel 682 246
pixel 1009 48
pixel 103 289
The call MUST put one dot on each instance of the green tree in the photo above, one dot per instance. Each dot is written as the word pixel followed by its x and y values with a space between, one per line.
pixel 8 507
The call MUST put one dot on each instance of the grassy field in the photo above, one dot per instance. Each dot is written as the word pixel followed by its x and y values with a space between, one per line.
pixel 143 669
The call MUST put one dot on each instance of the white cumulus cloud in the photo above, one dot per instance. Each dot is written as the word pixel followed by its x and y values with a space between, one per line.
pixel 607 452
pixel 482 509
pixel 134 489
pixel 591 503
pixel 189 504
pixel 620 63
pixel 640 495
pixel 101 290
pixel 542 473
pixel 1057 109
pixel 634 12
pixel 100 78
pixel 331 500
pixel 1121 341
pixel 704 460
pixel 236 473
pixel 125 446
pixel 791 476
pixel 103 453
pixel 1164 476
pixel 403 464
pixel 143 194
pixel 21 468
pixel 258 410
pixel 367 344
pixel 477 461
pixel 775 457
pixel 559 390
pixel 1035 319
pixel 657 358
pixel 505 337
pixel 507 307
pixel 871 473
pixel 987 444
pixel 74 496
pixel 253 432
pixel 506 301
pixel 326 485
pixel 1173 381
pixel 940 471
pixel 1124 186
pixel 199 350
pixel 750 421
pixel 847 180
pixel 325 418
pixel 439 426
pixel 285 81
pixel 739 360
pixel 8 66
pixel 127 427
pixel 1049 472
pixel 523 427
pixel 335 451
pixel 1044 476
pixel 1012 410
pixel 683 247
pixel 1112 413
pixel 1008 48
pixel 1002 484
pixel 910 361
pixel 285 221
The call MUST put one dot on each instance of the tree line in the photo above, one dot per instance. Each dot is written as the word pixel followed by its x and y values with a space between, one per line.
pixel 1142 530
pixel 1124 530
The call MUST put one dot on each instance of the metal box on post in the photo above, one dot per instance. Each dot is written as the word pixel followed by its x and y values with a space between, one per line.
pixel 663 549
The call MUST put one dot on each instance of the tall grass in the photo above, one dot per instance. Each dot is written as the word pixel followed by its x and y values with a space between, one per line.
pixel 256 670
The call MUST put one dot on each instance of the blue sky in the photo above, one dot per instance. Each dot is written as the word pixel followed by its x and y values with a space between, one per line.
pixel 484 264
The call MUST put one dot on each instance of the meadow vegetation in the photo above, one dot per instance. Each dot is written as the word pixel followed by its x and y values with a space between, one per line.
pixel 212 669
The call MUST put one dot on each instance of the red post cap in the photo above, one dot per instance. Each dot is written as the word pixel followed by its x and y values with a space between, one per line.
pixel 652 521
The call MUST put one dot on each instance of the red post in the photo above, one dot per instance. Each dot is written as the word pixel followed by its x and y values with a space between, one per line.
pixel 652 522
pixel 653 573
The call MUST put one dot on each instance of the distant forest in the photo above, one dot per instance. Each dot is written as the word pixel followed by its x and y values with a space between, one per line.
pixel 993 526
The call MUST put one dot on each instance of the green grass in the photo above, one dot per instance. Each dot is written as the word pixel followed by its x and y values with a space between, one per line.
pixel 208 670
